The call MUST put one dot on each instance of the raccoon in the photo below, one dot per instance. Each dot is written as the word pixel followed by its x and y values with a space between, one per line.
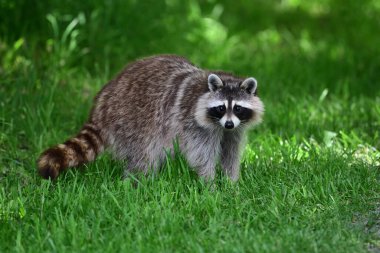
pixel 157 100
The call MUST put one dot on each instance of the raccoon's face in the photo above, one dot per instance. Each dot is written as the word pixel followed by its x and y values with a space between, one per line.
pixel 230 103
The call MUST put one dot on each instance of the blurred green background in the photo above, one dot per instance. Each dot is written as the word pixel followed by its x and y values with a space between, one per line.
pixel 337 41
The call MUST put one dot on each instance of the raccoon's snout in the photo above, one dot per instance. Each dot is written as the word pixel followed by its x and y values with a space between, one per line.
pixel 229 124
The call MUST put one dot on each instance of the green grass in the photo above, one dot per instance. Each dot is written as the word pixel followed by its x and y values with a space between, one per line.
pixel 310 172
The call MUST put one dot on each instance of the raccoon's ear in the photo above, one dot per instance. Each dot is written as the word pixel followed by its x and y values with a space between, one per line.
pixel 214 82
pixel 250 85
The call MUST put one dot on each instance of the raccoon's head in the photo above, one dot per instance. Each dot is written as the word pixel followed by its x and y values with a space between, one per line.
pixel 230 103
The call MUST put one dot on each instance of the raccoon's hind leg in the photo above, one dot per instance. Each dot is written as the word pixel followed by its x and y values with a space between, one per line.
pixel 230 156
pixel 78 150
pixel 142 165
pixel 134 167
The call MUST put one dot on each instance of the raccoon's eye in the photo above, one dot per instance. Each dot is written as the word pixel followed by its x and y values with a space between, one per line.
pixel 237 108
pixel 221 108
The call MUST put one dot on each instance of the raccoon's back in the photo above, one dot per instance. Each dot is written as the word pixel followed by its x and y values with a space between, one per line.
pixel 141 98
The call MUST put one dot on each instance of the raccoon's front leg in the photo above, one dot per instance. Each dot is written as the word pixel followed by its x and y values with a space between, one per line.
pixel 230 157
pixel 202 153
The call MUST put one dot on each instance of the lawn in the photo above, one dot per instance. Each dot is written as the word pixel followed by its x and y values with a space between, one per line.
pixel 310 172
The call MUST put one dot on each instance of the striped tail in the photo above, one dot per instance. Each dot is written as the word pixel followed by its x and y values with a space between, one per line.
pixel 76 151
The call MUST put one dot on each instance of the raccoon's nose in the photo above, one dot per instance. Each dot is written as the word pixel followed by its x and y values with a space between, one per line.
pixel 229 124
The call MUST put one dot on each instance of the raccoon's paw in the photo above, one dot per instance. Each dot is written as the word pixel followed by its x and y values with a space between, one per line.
pixel 50 163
